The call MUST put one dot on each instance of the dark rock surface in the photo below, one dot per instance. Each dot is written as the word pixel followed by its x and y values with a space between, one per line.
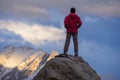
pixel 67 68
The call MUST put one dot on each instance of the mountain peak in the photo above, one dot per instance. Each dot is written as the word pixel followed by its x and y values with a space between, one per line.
pixel 52 55
pixel 71 68
pixel 22 63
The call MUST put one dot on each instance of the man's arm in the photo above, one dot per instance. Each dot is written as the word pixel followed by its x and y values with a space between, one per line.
pixel 66 26
pixel 79 22
pixel 66 22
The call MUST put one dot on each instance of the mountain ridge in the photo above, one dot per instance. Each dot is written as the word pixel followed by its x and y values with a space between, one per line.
pixel 21 63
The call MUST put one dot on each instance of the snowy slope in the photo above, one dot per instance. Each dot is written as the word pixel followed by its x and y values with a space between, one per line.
pixel 22 63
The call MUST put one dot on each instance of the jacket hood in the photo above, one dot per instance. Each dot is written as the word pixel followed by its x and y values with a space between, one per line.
pixel 72 16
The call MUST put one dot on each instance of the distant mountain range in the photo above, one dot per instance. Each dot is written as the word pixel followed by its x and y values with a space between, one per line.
pixel 22 63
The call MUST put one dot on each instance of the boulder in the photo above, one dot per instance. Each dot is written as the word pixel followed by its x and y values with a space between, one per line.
pixel 67 68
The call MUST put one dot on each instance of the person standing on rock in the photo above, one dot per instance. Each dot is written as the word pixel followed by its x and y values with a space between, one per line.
pixel 72 22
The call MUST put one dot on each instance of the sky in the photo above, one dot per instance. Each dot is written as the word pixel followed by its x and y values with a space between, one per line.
pixel 39 24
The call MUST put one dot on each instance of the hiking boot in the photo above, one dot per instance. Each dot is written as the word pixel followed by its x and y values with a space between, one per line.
pixel 65 54
pixel 76 54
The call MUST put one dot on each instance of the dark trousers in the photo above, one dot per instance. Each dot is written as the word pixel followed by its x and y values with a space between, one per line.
pixel 67 42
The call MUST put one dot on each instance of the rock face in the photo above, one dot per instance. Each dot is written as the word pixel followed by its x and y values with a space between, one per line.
pixel 71 68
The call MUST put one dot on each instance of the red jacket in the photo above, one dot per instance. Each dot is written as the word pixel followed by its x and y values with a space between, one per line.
pixel 72 22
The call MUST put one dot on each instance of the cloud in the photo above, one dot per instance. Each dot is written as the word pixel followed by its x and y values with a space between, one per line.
pixel 23 10
pixel 100 8
pixel 30 11
pixel 10 38
pixel 39 9
pixel 34 33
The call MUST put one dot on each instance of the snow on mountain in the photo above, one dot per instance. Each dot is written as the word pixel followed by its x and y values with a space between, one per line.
pixel 11 56
pixel 22 63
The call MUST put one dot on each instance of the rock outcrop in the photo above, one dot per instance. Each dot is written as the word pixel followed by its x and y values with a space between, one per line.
pixel 70 68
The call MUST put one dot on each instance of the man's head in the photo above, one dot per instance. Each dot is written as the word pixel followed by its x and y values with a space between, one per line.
pixel 72 10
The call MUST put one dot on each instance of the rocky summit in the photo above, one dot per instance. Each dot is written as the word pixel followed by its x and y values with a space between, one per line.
pixel 67 68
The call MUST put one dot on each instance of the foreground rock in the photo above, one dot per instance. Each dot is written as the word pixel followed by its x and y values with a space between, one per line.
pixel 71 68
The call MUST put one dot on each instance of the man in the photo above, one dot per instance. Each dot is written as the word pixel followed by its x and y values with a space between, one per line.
pixel 72 22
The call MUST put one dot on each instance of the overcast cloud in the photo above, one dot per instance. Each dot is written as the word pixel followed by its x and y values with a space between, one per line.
pixel 40 8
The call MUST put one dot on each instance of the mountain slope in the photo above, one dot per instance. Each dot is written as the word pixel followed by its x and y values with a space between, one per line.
pixel 21 63
pixel 71 68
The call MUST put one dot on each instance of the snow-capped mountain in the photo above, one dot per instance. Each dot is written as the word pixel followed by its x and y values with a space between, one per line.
pixel 22 63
